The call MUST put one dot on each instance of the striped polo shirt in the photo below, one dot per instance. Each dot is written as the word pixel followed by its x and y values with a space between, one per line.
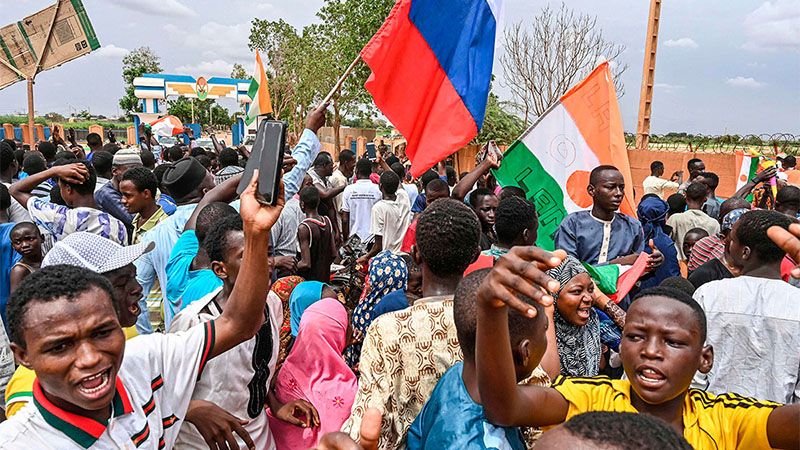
pixel 153 390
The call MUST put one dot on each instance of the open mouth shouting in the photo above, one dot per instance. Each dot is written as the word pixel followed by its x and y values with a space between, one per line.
pixel 97 386
pixel 649 378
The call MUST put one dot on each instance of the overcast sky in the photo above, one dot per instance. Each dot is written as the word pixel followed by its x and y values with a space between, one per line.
pixel 723 65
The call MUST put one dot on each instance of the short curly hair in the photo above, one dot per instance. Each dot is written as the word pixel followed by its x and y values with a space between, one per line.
pixel 682 296
pixel 48 284
pixel 513 216
pixel 751 230
pixel 625 431
pixel 216 241
pixel 143 179
pixel 448 237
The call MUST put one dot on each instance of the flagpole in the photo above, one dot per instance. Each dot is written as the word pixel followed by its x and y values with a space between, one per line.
pixel 340 82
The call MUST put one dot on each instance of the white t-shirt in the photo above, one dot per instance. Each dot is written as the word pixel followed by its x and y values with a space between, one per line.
pixel 656 185
pixel 230 380
pixel 157 372
pixel 390 219
pixel 412 191
pixel 754 327
pixel 358 199
pixel 336 180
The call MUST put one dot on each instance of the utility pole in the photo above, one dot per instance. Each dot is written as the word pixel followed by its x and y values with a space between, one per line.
pixel 648 76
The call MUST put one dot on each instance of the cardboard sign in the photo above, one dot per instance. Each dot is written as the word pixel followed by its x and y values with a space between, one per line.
pixel 28 46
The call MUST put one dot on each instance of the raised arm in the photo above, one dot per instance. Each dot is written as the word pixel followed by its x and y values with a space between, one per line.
pixel 73 173
pixel 760 177
pixel 305 151
pixel 223 192
pixel 783 427
pixel 518 273
pixel 463 187
pixel 244 310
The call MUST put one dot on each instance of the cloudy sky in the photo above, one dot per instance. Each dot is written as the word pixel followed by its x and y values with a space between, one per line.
pixel 723 65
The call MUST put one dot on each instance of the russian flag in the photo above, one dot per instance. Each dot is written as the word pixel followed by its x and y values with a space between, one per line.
pixel 431 65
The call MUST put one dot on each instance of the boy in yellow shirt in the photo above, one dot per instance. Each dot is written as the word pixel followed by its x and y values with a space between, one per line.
pixel 662 347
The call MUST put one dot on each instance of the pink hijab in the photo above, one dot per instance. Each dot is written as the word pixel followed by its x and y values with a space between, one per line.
pixel 316 371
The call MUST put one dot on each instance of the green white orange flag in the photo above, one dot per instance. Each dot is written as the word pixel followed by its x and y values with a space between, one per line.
pixel 259 93
pixel 616 280
pixel 552 160
pixel 747 165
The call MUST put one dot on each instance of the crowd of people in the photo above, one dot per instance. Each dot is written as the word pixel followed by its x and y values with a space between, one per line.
pixel 146 304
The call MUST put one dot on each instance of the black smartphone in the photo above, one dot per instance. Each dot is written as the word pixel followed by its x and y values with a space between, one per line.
pixel 267 157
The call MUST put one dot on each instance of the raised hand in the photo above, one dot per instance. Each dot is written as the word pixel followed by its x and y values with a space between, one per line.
pixel 521 272
pixel 656 257
pixel 257 217
pixel 316 118
pixel 75 173
pixel 368 435
pixel 788 241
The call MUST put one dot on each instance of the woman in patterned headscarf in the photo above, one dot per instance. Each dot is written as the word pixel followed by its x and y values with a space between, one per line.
pixel 283 287
pixel 578 331
pixel 387 273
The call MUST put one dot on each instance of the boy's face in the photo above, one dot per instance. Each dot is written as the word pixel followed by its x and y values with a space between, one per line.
pixel 534 345
pixel 739 253
pixel 609 190
pixel 661 349
pixel 134 200
pixel 228 269
pixel 688 243
pixel 75 347
pixel 127 292
pixel 486 208
pixel 27 241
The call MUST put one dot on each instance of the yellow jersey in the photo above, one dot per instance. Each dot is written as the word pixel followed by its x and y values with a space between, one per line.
pixel 19 390
pixel 710 422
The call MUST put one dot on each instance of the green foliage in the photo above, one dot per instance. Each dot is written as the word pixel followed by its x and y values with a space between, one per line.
pixel 18 120
pixel 206 112
pixel 139 61
pixel 499 124
pixel 239 72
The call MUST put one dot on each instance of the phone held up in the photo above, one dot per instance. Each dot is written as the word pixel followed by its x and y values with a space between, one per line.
pixel 267 157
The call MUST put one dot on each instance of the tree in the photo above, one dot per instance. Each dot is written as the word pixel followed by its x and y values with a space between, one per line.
pixel 139 61
pixel 560 48
pixel 239 72
pixel 205 112
pixel 499 124
pixel 347 25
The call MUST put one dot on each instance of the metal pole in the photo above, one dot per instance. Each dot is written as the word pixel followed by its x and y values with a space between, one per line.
pixel 648 76
pixel 30 112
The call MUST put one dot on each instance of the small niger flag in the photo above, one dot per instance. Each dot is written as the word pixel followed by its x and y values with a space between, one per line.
pixel 616 280
pixel 259 93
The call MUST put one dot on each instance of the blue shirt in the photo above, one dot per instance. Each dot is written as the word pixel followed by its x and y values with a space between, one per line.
pixel 582 236
pixel 152 266
pixel 419 203
pixel 166 203
pixel 451 419
pixel 110 201
pixel 305 152
pixel 8 257
pixel 183 284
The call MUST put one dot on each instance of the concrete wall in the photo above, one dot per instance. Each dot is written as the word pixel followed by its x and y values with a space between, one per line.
pixel 723 165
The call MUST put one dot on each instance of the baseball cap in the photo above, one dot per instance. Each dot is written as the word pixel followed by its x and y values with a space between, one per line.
pixel 94 252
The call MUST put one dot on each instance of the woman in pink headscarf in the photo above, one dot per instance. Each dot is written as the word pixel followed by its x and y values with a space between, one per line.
pixel 316 371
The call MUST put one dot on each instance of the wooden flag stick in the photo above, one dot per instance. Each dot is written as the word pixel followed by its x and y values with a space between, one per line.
pixel 340 82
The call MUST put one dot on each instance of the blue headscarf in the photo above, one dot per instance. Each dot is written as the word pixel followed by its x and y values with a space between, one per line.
pixel 652 212
pixel 304 295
